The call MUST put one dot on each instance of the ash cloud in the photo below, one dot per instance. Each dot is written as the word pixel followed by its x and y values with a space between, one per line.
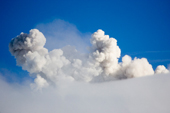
pixel 98 65
pixel 57 74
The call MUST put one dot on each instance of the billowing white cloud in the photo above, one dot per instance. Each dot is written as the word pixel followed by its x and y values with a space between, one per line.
pixel 100 64
pixel 58 72
pixel 161 69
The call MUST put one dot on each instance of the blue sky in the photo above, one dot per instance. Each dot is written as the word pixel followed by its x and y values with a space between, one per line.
pixel 142 28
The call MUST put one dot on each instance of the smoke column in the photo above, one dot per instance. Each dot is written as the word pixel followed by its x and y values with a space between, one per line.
pixel 99 65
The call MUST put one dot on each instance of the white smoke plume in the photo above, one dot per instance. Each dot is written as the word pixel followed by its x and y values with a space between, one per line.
pixel 161 69
pixel 100 64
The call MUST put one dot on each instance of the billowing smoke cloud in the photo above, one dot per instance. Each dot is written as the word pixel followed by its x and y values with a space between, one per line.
pixel 161 69
pixel 100 64
pixel 57 74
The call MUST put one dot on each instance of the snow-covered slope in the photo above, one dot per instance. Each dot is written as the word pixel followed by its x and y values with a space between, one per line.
pixel 149 94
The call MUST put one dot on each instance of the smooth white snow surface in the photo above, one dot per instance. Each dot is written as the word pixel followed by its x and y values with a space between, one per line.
pixel 149 94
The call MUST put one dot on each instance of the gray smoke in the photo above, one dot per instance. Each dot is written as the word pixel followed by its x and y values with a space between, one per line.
pixel 100 64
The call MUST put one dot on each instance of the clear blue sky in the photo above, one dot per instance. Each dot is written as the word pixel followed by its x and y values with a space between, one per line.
pixel 142 27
